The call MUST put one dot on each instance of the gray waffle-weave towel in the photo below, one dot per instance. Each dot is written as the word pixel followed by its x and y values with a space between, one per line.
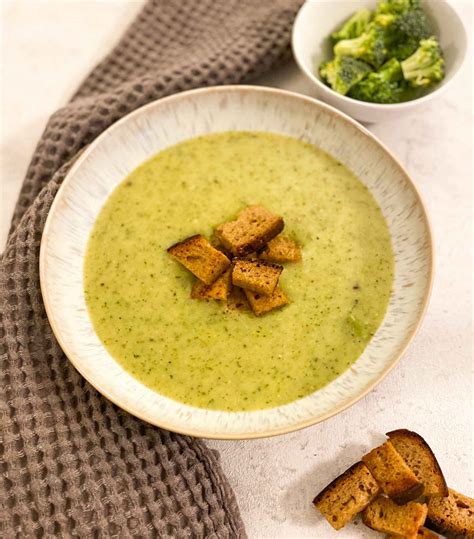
pixel 72 464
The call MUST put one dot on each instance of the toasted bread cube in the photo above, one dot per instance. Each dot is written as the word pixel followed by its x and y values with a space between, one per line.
pixel 216 243
pixel 347 495
pixel 261 304
pixel 253 228
pixel 421 460
pixel 386 516
pixel 237 300
pixel 452 515
pixel 281 249
pixel 256 275
pixel 219 289
pixel 423 533
pixel 198 256
pixel 393 474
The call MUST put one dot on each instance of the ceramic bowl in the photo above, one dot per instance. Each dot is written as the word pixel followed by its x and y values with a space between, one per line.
pixel 317 19
pixel 146 131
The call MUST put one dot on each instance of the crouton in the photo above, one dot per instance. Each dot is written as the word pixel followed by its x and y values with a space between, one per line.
pixel 198 256
pixel 347 495
pixel 256 275
pixel 253 228
pixel 423 533
pixel 237 300
pixel 453 515
pixel 419 457
pixel 261 304
pixel 393 474
pixel 281 249
pixel 216 243
pixel 386 516
pixel 219 289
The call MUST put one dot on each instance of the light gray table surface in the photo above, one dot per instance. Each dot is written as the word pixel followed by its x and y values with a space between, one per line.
pixel 49 46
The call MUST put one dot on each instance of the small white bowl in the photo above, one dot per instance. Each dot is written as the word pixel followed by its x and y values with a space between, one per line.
pixel 317 19
pixel 158 125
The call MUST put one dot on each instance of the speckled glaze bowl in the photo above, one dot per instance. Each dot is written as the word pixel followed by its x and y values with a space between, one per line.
pixel 146 131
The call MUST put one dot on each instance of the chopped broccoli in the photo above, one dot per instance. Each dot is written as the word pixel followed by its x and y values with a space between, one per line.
pixel 354 26
pixel 425 66
pixel 384 20
pixel 343 73
pixel 403 50
pixel 369 46
pixel 412 23
pixel 383 86
pixel 395 7
pixel 384 56
pixel 403 31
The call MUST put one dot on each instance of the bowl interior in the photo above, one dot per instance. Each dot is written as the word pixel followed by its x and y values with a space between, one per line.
pixel 318 18
pixel 160 124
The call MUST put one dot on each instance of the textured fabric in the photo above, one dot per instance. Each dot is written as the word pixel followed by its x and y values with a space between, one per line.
pixel 73 464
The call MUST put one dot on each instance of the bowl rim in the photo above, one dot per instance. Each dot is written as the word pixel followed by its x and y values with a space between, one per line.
pixel 75 360
pixel 366 105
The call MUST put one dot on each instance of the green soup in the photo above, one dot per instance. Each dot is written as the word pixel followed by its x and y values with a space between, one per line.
pixel 197 352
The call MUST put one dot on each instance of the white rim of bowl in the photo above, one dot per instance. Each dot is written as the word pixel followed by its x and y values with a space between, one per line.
pixel 248 435
pixel 365 104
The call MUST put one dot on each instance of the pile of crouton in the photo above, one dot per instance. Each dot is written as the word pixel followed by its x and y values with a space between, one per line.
pixel 242 263
pixel 397 487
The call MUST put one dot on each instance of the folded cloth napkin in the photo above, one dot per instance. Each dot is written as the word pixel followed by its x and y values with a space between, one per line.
pixel 73 464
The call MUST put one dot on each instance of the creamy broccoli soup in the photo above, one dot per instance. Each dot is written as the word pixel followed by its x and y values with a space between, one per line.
pixel 198 352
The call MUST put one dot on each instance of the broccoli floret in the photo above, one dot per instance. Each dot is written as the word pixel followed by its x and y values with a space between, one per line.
pixel 395 7
pixel 343 72
pixel 354 26
pixel 369 47
pixel 391 70
pixel 405 33
pixel 403 50
pixel 425 66
pixel 384 20
pixel 404 24
pixel 383 86
pixel 412 23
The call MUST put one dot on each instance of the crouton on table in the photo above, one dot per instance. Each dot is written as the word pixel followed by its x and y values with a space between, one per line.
pixel 256 275
pixel 281 249
pixel 253 228
pixel 262 304
pixel 393 474
pixel 452 515
pixel 198 256
pixel 347 495
pixel 386 516
pixel 219 289
pixel 423 533
pixel 421 460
